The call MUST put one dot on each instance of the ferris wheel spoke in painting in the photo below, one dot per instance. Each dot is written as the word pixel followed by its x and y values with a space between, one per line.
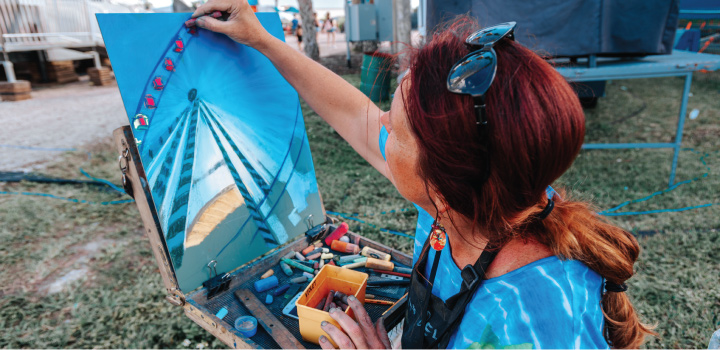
pixel 221 137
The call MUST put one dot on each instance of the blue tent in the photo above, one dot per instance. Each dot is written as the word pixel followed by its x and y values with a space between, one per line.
pixel 573 28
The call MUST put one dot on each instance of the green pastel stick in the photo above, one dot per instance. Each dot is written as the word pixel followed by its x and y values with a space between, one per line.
pixel 346 258
pixel 363 259
pixel 298 266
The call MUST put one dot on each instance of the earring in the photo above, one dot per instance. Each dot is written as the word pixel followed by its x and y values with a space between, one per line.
pixel 438 236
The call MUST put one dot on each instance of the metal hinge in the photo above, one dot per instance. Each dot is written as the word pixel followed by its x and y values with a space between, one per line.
pixel 124 164
pixel 175 298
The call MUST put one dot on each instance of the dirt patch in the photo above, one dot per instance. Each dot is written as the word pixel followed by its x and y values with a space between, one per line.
pixel 72 269
pixel 59 284
pixel 708 131
pixel 57 117
pixel 339 65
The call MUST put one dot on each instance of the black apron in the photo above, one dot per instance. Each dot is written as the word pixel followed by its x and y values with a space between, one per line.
pixel 430 322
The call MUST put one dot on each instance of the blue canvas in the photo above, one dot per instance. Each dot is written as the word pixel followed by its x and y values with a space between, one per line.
pixel 221 138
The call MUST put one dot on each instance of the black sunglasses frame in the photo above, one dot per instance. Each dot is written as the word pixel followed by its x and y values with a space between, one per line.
pixel 460 80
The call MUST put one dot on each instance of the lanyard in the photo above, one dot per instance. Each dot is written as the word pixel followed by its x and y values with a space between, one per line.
pixel 430 321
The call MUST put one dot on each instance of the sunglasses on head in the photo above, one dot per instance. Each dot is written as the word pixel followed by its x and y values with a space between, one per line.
pixel 473 74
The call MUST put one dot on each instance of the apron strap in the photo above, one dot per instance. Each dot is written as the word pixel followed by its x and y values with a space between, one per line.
pixel 472 276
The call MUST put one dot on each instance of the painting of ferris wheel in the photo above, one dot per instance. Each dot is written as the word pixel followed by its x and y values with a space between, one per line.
pixel 221 138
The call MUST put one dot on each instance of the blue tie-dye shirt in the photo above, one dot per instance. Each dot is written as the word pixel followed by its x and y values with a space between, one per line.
pixel 549 303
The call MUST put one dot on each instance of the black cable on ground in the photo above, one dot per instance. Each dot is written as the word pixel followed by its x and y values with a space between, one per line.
pixel 17 176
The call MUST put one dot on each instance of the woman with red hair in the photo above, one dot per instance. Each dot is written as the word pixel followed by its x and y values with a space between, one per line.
pixel 477 131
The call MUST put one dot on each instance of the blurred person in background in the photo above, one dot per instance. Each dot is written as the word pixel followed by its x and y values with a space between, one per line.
pixel 328 27
pixel 294 23
pixel 316 22
pixel 298 32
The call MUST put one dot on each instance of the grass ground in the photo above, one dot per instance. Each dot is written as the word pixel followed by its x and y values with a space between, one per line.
pixel 114 296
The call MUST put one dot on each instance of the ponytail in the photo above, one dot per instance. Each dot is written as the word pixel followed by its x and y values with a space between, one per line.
pixel 574 231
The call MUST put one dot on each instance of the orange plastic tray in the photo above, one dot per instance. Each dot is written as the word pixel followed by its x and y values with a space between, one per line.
pixel 330 277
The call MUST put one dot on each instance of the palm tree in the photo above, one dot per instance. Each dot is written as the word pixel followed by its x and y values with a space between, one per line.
pixel 308 28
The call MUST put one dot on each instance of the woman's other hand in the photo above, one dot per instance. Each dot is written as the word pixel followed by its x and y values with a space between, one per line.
pixel 357 335
pixel 241 25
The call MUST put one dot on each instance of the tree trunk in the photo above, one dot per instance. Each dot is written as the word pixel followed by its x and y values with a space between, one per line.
pixel 403 26
pixel 308 27
pixel 370 45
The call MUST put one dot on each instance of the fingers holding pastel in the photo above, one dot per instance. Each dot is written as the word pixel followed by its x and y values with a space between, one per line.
pixel 325 343
pixel 234 18
pixel 382 333
pixel 337 335
pixel 203 20
pixel 212 24
pixel 371 335
pixel 351 328
pixel 213 6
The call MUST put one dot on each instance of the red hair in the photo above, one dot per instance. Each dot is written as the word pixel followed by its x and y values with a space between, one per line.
pixel 536 128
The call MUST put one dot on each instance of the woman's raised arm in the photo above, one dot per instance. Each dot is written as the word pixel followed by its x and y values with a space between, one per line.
pixel 340 104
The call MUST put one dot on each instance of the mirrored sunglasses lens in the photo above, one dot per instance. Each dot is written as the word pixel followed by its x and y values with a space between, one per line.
pixel 490 35
pixel 473 75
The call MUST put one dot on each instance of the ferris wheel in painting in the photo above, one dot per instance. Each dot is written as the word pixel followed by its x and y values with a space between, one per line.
pixel 171 144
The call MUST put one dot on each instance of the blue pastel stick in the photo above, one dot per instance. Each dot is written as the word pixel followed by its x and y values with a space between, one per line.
pixel 406 270
pixel 286 268
pixel 281 290
pixel 221 313
pixel 266 284
pixel 268 299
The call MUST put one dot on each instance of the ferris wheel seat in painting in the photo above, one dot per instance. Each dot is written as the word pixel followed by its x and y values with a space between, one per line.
pixel 179 45
pixel 149 101
pixel 169 65
pixel 158 83
pixel 140 122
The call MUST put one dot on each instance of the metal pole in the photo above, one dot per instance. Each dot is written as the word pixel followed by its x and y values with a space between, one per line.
pixel 9 71
pixel 7 64
pixel 96 58
pixel 681 125
pixel 42 57
pixel 592 61
pixel 347 33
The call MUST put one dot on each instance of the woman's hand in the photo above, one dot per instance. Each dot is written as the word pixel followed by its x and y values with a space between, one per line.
pixel 357 335
pixel 241 25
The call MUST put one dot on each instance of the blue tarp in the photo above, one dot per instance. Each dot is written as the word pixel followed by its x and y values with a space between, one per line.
pixel 575 27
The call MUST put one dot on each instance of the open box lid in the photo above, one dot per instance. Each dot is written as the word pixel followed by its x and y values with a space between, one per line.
pixel 221 138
